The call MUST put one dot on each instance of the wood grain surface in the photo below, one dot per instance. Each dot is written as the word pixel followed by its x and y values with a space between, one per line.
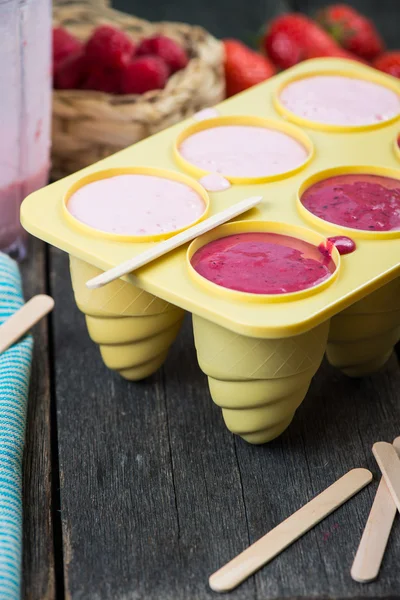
pixel 38 557
pixel 156 494
pixel 136 491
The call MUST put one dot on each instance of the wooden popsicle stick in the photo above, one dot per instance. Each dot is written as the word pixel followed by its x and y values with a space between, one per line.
pixel 290 530
pixel 389 464
pixel 21 321
pixel 371 550
pixel 174 242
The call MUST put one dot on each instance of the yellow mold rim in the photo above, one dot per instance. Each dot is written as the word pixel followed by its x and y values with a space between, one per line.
pixel 333 228
pixel 301 233
pixel 302 122
pixel 106 174
pixel 290 130
pixel 396 146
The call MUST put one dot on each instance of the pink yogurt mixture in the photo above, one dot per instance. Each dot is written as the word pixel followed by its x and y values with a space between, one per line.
pixel 263 263
pixel 243 151
pixel 25 112
pixel 365 202
pixel 136 205
pixel 343 101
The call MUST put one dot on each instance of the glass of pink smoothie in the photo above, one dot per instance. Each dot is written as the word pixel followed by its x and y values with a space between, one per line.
pixel 263 263
pixel 135 205
pixel 25 45
pixel 361 201
pixel 338 101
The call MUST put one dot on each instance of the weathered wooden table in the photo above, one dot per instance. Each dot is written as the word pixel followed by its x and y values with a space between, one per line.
pixel 137 491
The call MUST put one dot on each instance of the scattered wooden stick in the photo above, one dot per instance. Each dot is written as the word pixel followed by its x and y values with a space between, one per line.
pixel 21 321
pixel 371 550
pixel 177 240
pixel 290 530
pixel 389 464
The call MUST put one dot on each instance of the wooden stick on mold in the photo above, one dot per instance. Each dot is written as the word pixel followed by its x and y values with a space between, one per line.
pixel 22 321
pixel 290 530
pixel 177 240
pixel 371 550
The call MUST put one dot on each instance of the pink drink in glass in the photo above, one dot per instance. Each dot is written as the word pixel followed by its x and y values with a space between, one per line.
pixel 25 112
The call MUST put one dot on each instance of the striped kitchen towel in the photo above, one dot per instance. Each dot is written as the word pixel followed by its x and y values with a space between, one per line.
pixel 15 366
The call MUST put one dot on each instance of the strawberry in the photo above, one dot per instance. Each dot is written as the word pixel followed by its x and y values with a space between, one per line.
pixel 144 74
pixel 388 62
pixel 244 67
pixel 293 37
pixel 70 72
pixel 351 30
pixel 109 47
pixel 64 43
pixel 164 47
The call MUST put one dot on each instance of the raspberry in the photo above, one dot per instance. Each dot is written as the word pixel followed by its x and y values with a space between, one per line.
pixel 64 44
pixel 109 47
pixel 70 72
pixel 164 47
pixel 144 74
pixel 103 79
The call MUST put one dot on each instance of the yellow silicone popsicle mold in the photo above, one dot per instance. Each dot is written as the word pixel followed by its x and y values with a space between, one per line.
pixel 259 352
pixel 133 328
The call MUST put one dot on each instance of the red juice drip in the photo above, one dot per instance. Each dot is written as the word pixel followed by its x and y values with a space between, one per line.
pixel 263 263
pixel 342 243
pixel 364 202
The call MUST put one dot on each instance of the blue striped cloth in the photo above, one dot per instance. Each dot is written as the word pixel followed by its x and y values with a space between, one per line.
pixel 15 366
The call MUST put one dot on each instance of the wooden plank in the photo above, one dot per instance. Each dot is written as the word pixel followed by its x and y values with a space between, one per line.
pixel 156 494
pixel 38 556
pixel 289 531
pixel 333 432
pixel 150 490
pixel 384 13
pixel 152 496
pixel 207 482
pixel 376 534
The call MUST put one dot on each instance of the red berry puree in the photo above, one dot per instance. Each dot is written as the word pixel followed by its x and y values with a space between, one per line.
pixel 365 202
pixel 343 244
pixel 263 263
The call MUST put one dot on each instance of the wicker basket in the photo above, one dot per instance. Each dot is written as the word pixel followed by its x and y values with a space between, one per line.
pixel 88 126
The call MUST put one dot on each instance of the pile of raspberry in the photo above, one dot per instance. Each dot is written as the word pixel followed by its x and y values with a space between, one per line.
pixel 111 62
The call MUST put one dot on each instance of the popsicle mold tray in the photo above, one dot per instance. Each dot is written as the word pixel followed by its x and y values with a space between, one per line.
pixel 259 353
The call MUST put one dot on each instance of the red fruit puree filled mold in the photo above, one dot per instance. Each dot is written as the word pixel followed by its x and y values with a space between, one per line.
pixel 263 263
pixel 343 244
pixel 364 202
